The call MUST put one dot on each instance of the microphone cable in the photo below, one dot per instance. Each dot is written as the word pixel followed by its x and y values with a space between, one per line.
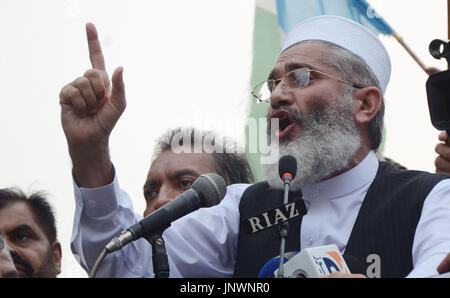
pixel 98 262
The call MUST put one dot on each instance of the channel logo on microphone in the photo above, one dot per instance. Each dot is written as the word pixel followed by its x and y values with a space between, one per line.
pixel 329 262
pixel 315 262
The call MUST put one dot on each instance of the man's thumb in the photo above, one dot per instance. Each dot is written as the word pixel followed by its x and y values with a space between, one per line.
pixel 118 89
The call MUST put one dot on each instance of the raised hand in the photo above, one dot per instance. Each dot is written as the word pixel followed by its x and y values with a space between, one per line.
pixel 91 105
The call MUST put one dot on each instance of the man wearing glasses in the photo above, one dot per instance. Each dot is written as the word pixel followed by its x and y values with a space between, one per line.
pixel 326 91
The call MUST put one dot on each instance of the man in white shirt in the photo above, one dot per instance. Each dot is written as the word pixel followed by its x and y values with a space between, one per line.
pixel 326 89
pixel 172 172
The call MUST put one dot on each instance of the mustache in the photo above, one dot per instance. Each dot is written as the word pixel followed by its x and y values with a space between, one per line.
pixel 299 118
pixel 21 261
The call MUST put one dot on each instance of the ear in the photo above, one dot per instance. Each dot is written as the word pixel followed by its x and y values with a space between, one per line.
pixel 57 254
pixel 367 104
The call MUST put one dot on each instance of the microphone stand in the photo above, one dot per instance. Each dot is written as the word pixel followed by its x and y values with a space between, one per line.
pixel 159 255
pixel 284 226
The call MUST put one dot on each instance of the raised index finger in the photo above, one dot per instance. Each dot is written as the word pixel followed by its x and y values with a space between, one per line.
pixel 95 50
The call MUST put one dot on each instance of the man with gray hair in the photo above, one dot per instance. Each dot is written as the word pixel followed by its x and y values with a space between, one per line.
pixel 176 164
pixel 326 91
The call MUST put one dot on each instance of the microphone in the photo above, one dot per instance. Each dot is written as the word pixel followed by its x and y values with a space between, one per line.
pixel 316 261
pixel 206 191
pixel 267 271
pixel 287 168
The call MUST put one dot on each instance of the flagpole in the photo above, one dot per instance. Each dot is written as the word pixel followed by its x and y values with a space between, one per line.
pixel 408 49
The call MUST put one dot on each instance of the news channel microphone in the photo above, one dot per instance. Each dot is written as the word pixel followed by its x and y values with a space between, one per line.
pixel 287 168
pixel 206 191
pixel 315 262
pixel 267 271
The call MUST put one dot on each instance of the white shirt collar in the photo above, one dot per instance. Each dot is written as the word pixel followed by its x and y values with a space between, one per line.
pixel 345 183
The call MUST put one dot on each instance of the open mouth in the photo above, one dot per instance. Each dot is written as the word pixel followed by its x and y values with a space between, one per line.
pixel 286 123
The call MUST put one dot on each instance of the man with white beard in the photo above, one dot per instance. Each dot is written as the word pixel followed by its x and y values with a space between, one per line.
pixel 318 157
pixel 326 89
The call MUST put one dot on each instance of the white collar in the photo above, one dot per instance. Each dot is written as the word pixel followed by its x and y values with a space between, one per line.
pixel 357 177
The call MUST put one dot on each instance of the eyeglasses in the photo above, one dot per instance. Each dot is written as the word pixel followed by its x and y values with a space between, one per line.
pixel 297 78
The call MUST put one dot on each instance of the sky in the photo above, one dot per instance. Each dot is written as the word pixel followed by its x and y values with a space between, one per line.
pixel 185 63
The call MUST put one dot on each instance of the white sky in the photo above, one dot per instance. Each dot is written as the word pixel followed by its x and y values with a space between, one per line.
pixel 186 62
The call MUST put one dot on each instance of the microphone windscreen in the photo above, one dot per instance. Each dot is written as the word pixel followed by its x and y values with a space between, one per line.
pixel 267 271
pixel 287 164
pixel 211 187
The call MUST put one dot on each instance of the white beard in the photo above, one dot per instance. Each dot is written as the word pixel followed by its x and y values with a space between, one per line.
pixel 328 141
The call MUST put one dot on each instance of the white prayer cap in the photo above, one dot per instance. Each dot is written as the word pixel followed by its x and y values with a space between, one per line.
pixel 348 34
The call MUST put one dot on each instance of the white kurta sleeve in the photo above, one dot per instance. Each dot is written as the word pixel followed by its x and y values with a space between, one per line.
pixel 201 244
pixel 205 241
pixel 100 215
pixel 432 237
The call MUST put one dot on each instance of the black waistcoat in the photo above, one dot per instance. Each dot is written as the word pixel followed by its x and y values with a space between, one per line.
pixel 385 224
